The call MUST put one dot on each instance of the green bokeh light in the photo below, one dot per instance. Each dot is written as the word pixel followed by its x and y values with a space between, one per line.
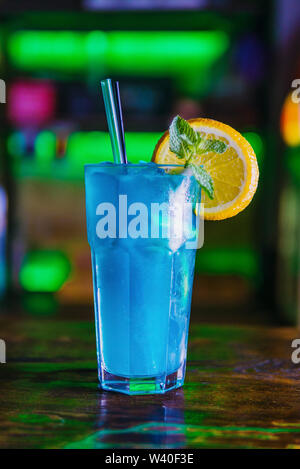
pixel 257 144
pixel 85 147
pixel 95 147
pixel 156 52
pixel 150 52
pixel 40 303
pixel 92 147
pixel 45 147
pixel 58 50
pixel 44 271
pixel 292 162
pixel 228 261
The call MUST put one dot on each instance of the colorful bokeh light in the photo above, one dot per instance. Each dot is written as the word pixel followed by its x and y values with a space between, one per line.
pixel 44 271
pixel 136 52
pixel 290 122
pixel 228 260
pixel 31 103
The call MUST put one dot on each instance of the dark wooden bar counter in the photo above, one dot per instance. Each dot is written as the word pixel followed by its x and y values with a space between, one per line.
pixel 242 390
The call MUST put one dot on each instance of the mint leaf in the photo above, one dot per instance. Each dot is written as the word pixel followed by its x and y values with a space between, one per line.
pixel 187 144
pixel 183 138
pixel 183 128
pixel 210 144
pixel 179 146
pixel 203 178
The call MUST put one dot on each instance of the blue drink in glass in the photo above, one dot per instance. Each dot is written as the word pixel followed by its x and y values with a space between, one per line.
pixel 142 272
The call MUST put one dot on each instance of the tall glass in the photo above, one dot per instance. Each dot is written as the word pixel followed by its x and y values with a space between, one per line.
pixel 143 256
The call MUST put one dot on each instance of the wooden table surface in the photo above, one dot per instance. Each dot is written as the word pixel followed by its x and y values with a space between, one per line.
pixel 241 391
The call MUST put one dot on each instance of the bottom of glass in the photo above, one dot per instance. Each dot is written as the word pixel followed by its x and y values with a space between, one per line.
pixel 142 385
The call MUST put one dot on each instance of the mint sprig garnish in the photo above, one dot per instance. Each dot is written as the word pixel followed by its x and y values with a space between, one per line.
pixel 203 178
pixel 183 138
pixel 187 144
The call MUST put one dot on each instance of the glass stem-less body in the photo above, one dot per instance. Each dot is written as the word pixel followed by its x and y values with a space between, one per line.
pixel 142 285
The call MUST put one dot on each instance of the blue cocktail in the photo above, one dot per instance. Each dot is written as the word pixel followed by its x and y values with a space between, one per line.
pixel 143 256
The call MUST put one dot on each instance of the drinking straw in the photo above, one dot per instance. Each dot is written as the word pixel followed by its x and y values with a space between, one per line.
pixel 112 103
pixel 120 115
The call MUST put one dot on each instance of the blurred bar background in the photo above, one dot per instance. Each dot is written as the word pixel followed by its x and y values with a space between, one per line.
pixel 227 60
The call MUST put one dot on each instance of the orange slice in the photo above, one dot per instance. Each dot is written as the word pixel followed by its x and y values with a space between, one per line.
pixel 234 172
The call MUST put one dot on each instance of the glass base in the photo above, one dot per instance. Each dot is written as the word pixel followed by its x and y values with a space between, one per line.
pixel 142 385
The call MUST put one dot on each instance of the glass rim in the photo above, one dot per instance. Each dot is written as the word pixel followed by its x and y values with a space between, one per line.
pixel 132 165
